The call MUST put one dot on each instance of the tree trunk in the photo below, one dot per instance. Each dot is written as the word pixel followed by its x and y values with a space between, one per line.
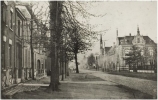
pixel 65 65
pixel 57 67
pixel 32 53
pixel 62 64
pixel 77 70
pixel 54 72
pixel 54 83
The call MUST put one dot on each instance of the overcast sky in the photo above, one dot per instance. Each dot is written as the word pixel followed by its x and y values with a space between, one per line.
pixel 122 15
pixel 125 16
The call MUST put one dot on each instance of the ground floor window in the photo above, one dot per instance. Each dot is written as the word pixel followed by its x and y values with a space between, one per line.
pixel 3 55
pixel 19 59
pixel 10 55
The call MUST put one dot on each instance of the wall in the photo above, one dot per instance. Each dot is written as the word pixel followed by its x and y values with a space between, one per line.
pixel 7 40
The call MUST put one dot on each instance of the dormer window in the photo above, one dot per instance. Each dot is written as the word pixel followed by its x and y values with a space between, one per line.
pixel 121 41
pixel 151 52
pixel 142 52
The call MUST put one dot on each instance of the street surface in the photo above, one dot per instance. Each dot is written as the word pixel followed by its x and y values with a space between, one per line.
pixel 85 85
pixel 143 85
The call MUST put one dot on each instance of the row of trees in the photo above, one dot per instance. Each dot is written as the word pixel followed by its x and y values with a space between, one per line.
pixel 68 35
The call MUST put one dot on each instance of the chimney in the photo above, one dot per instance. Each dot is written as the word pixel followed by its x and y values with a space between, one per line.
pixel 129 34
pixel 104 44
pixel 116 32
pixel 114 43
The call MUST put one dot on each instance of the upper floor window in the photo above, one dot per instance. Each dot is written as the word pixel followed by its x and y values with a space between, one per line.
pixel 18 27
pixel 4 12
pixel 9 54
pixel 3 54
pixel 11 19
pixel 25 58
pixel 151 52
pixel 138 40
pixel 142 52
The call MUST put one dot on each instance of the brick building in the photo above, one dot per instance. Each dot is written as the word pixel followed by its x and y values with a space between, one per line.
pixel 7 42
pixel 112 58
pixel 15 44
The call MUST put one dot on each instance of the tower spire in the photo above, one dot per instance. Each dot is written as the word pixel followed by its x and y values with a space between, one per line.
pixel 101 44
pixel 117 32
pixel 101 41
pixel 138 32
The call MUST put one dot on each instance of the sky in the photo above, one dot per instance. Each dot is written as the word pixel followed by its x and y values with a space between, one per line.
pixel 125 16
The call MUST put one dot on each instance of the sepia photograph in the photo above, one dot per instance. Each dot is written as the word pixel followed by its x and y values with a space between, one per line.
pixel 73 49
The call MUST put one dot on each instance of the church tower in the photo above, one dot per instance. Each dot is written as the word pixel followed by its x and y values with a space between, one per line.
pixel 116 32
pixel 101 44
pixel 117 36
pixel 138 32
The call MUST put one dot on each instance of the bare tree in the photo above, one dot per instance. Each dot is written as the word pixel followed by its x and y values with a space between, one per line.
pixel 79 34
pixel 63 21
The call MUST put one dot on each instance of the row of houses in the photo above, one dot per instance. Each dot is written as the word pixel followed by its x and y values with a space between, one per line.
pixel 113 58
pixel 15 45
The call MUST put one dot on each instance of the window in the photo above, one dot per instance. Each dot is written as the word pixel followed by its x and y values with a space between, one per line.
pixel 27 32
pixel 18 27
pixel 151 52
pixel 3 54
pixel 35 61
pixel 142 52
pixel 11 19
pixel 138 40
pixel 29 64
pixel 19 59
pixel 26 58
pixel 4 11
pixel 9 55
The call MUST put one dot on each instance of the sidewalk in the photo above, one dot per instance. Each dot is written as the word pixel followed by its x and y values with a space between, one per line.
pixel 143 85
pixel 20 88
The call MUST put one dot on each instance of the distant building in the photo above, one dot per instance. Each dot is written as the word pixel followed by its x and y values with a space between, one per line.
pixel 112 58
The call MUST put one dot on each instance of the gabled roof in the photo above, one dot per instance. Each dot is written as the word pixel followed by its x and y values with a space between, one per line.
pixel 129 39
pixel 148 40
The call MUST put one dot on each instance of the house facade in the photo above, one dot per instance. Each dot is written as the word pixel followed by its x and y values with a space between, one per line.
pixel 7 42
pixel 113 58
pixel 15 44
